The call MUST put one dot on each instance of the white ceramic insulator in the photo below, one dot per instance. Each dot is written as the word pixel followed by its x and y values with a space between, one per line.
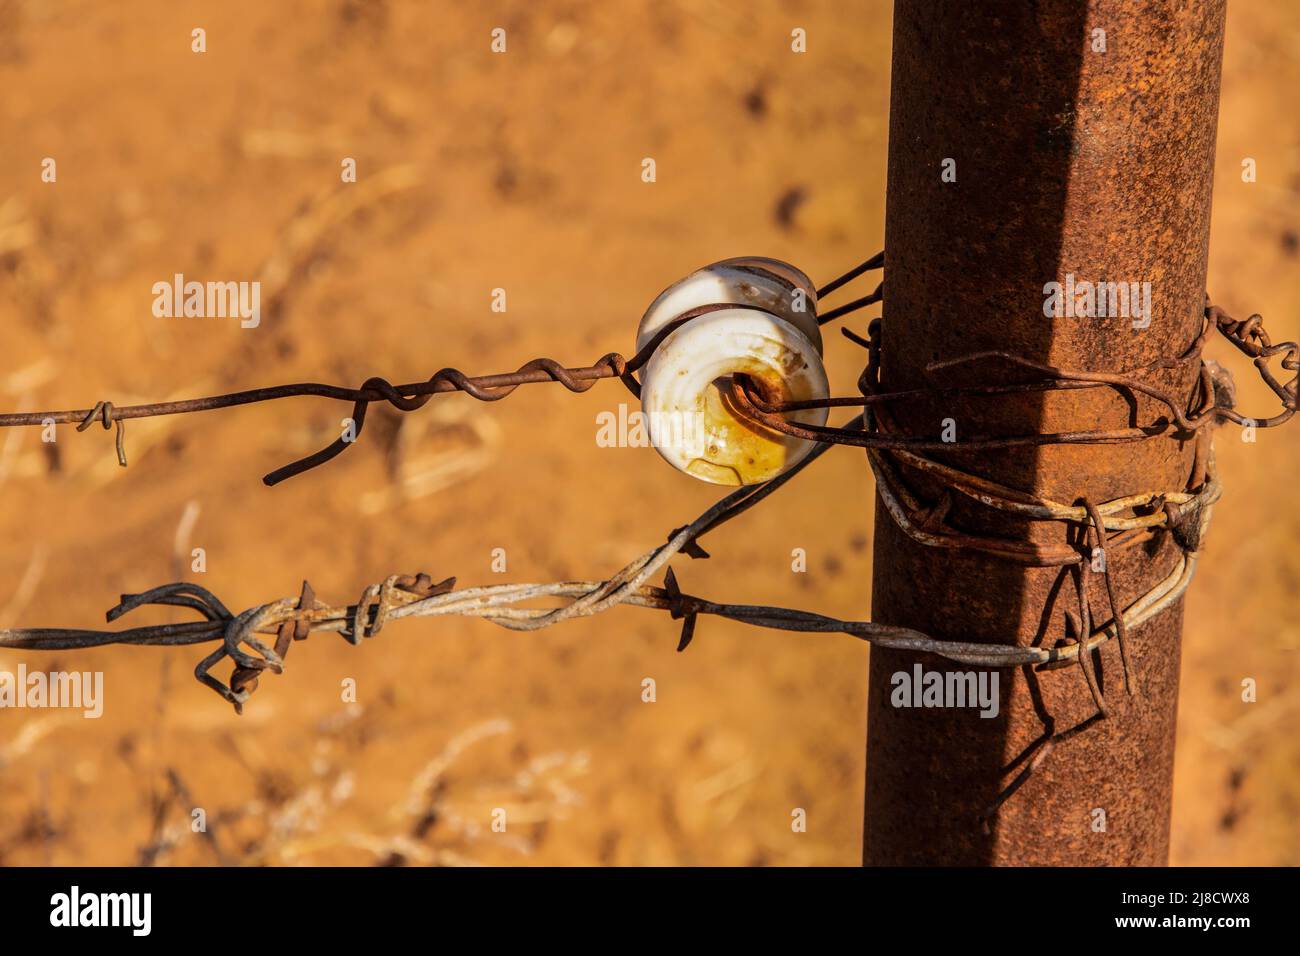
pixel 768 284
pixel 690 423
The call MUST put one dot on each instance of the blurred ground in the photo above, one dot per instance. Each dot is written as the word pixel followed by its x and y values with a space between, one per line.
pixel 518 171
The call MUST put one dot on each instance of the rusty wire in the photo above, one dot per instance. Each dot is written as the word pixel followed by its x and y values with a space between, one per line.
pixel 1248 336
pixel 1184 513
pixel 1134 519
pixel 399 596
pixel 414 395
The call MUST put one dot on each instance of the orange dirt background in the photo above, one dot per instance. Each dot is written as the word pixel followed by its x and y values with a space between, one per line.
pixel 519 171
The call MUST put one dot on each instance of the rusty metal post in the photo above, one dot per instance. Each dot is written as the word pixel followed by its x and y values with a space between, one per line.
pixel 1081 135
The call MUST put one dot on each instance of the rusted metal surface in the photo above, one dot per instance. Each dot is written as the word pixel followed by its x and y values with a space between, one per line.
pixel 1068 160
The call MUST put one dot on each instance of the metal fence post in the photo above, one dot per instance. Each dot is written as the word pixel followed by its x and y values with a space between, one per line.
pixel 1030 142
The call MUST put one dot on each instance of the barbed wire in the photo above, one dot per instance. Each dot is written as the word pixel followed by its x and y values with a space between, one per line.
pixel 1184 513
pixel 1215 400
pixel 400 596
